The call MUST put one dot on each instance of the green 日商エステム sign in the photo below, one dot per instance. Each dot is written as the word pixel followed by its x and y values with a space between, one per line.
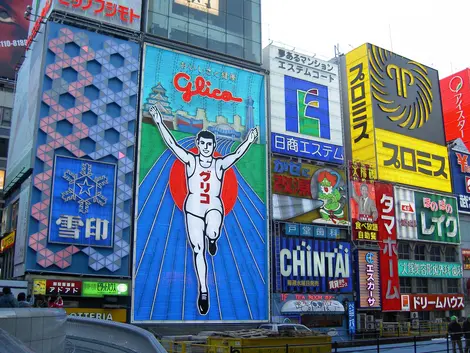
pixel 409 268
pixel 100 289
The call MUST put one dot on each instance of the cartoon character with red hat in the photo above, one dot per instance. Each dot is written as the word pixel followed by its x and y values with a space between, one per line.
pixel 332 210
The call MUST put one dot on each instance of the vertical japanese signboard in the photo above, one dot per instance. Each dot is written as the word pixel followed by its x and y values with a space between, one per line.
pixel 201 210
pixel 426 217
pixel 368 279
pixel 461 179
pixel 466 259
pixel 305 106
pixel 395 118
pixel 455 91
pixel 388 247
pixel 308 193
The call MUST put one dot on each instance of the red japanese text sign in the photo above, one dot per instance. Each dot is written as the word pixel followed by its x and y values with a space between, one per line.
pixel 388 247
pixel 63 287
pixel 432 302
pixel 124 13
pixel 364 211
pixel 455 92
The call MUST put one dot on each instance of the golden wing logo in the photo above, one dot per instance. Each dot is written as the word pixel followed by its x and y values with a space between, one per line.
pixel 411 104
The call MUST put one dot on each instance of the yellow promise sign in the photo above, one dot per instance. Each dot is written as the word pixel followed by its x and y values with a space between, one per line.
pixel 406 160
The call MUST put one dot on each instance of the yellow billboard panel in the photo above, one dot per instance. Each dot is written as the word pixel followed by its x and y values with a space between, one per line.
pixel 360 106
pixel 119 315
pixel 406 160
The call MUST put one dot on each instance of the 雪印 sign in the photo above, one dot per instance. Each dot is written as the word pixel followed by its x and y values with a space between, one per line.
pixel 431 302
pixel 410 268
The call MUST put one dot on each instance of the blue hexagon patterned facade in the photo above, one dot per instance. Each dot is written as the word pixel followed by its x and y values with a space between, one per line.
pixel 88 111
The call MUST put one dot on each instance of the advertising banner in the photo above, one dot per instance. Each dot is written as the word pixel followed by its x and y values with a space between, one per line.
pixel 7 242
pixel 426 217
pixel 63 287
pixel 369 279
pixel 352 318
pixel 459 163
pixel 122 13
pixel 455 91
pixel 308 193
pixel 201 249
pixel 308 265
pixel 432 302
pixel 395 110
pixel 100 289
pixel 305 106
pixel 118 315
pixel 388 247
pixel 405 160
pixel 84 160
pixel 364 211
pixel 82 205
pixel 410 268
pixel 319 232
pixel 22 227
pixel 13 35
pixel 466 259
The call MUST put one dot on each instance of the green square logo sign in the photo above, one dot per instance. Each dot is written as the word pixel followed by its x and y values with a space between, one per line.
pixel 100 289
pixel 437 217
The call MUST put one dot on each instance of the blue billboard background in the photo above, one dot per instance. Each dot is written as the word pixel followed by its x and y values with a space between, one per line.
pixel 459 163
pixel 82 205
pixel 165 282
pixel 88 112
pixel 290 251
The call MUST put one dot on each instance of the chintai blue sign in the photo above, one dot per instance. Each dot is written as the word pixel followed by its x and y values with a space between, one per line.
pixel 308 265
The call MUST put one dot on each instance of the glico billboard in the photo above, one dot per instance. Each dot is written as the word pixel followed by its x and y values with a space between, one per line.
pixel 201 248
pixel 395 118
pixel 305 106
pixel 455 91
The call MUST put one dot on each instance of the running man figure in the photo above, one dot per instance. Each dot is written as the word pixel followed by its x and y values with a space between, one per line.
pixel 203 207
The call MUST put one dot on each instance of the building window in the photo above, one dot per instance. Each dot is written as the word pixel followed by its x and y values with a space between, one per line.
pixel 3 147
pixel 452 286
pixel 436 286
pixel 424 315
pixel 404 251
pixel 450 254
pixel 422 285
pixel 405 285
pixel 435 254
pixel 5 116
pixel 420 252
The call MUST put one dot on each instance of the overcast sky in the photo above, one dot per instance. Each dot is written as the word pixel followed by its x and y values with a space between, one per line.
pixel 435 33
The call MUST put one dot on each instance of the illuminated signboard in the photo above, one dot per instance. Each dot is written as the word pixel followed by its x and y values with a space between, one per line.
pixel 455 91
pixel 364 211
pixel 459 162
pixel 308 193
pixel 369 279
pixel 426 217
pixel 39 21
pixel 63 287
pixel 209 6
pixel 311 273
pixel 429 269
pixel 432 302
pixel 305 106
pixel 124 13
pixel 201 226
pixel 118 315
pixel 100 289
pixel 396 119
pixel 466 259
pixel 7 242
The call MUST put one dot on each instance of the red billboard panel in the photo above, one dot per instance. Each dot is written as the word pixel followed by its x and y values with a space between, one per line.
pixel 364 211
pixel 432 302
pixel 13 35
pixel 390 289
pixel 63 287
pixel 455 93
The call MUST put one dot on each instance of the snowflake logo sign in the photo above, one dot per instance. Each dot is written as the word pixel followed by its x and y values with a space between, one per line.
pixel 85 188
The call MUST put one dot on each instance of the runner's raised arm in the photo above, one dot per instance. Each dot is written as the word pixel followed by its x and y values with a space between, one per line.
pixel 232 158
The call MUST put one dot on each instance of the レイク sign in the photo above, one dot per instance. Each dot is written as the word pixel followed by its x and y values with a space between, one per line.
pixel 435 215
pixel 432 302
